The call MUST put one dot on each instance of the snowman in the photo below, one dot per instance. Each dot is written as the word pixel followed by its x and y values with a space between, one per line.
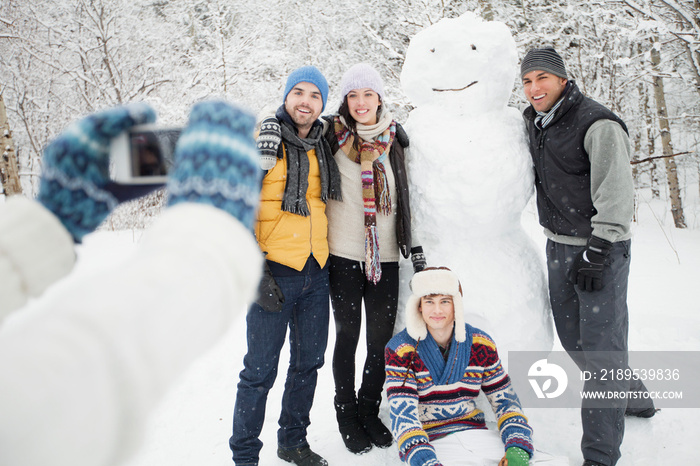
pixel 471 177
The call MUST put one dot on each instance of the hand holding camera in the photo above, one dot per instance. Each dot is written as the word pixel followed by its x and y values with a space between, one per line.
pixel 75 183
pixel 216 161
pixel 217 164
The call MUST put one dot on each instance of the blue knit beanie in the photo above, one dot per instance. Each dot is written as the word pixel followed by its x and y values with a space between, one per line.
pixel 307 74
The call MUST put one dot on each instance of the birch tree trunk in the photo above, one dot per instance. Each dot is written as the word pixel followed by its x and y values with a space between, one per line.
pixel 698 177
pixel 486 10
pixel 671 169
pixel 9 170
pixel 693 50
pixel 651 146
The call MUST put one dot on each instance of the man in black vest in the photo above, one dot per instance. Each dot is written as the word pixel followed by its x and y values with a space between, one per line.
pixel 585 200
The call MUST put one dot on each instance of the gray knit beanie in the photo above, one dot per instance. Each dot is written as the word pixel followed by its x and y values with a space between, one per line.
pixel 361 76
pixel 544 59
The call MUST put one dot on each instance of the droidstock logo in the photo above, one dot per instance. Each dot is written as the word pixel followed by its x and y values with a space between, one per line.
pixel 543 372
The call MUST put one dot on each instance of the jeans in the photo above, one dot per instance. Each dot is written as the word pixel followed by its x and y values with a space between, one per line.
pixel 592 327
pixel 349 288
pixel 306 313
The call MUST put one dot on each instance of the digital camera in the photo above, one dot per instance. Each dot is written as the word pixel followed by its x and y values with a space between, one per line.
pixel 144 154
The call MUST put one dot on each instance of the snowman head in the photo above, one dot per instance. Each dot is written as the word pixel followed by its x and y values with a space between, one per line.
pixel 461 64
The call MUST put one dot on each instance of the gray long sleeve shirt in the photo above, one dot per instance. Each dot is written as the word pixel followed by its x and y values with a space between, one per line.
pixel 612 186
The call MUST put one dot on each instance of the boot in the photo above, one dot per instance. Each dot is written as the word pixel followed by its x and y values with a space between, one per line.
pixel 302 456
pixel 368 413
pixel 354 436
pixel 641 412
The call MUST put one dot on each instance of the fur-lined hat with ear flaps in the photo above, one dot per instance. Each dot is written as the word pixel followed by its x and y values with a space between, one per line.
pixel 432 281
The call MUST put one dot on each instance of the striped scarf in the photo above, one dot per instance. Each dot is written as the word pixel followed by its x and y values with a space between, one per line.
pixel 375 189
pixel 543 119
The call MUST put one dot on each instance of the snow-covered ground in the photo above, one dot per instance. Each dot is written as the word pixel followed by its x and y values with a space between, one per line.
pixel 192 425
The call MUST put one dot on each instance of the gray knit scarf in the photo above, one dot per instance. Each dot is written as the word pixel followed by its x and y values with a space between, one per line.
pixel 294 200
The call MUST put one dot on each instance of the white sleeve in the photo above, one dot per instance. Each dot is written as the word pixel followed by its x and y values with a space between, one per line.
pixel 35 251
pixel 82 370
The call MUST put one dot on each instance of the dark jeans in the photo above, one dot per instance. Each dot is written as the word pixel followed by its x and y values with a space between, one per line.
pixel 306 313
pixel 349 287
pixel 592 327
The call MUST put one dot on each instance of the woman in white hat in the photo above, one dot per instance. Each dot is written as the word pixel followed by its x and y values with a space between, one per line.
pixel 367 232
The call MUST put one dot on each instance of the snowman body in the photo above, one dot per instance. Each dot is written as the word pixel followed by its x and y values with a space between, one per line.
pixel 471 176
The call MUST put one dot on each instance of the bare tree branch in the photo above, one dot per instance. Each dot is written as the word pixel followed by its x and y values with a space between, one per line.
pixel 685 14
pixel 649 159
pixel 651 15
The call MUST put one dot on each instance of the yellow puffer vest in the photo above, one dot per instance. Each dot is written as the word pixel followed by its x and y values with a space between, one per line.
pixel 288 238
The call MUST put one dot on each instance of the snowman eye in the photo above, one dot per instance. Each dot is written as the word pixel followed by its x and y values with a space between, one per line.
pixel 473 47
pixel 432 50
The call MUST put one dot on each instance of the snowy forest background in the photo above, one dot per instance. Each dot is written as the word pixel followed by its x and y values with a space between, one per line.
pixel 62 59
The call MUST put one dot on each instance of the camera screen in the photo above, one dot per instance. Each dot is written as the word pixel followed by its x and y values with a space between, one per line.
pixel 152 151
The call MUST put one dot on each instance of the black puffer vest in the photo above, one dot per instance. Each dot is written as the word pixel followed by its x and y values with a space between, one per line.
pixel 562 166
pixel 398 165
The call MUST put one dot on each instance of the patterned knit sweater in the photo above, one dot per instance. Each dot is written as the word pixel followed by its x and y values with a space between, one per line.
pixel 430 398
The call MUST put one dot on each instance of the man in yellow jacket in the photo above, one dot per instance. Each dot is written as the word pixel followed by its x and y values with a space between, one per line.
pixel 291 230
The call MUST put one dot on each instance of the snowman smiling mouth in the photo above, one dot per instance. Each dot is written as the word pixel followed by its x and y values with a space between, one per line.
pixel 455 90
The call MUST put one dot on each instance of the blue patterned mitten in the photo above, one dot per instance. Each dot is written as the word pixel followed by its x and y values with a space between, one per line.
pixel 75 183
pixel 216 161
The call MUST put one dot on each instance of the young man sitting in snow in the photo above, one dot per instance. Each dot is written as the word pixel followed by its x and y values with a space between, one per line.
pixel 435 369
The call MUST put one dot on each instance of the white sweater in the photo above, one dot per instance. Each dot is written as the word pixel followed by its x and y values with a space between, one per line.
pixel 346 219
pixel 83 368
pixel 35 251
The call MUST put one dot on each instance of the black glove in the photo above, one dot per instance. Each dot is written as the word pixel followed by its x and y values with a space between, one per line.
pixel 418 259
pixel 270 296
pixel 589 264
